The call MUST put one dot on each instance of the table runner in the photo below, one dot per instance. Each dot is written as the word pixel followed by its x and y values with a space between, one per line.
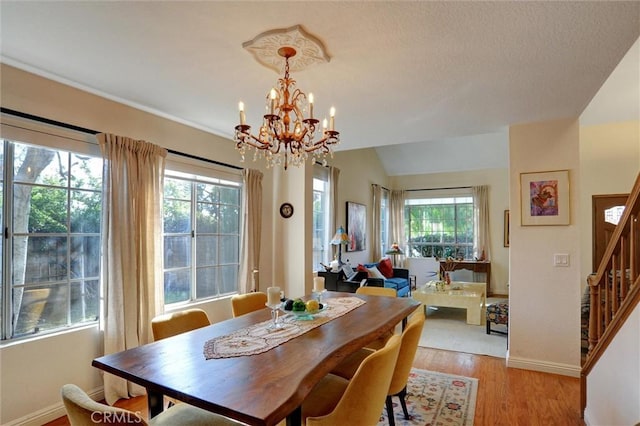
pixel 257 338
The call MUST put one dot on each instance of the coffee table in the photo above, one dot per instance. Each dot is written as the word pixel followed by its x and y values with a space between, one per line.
pixel 465 295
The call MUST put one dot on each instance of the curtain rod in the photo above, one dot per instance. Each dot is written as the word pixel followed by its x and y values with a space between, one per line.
pixel 95 132
pixel 428 189
pixel 437 189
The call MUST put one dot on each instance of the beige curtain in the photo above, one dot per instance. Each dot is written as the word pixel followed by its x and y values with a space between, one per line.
pixel 132 248
pixel 396 220
pixel 251 231
pixel 481 240
pixel 376 244
pixel 334 175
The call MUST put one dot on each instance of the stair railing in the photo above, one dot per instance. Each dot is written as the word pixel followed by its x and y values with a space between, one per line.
pixel 615 287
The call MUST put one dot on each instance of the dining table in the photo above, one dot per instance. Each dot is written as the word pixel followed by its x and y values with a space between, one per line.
pixel 262 388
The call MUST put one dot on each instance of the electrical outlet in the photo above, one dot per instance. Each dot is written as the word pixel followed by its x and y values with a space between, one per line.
pixel 561 259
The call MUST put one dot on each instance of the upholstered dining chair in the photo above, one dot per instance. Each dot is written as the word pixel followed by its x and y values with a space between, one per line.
pixel 376 291
pixel 244 303
pixel 84 411
pixel 356 402
pixel 168 325
pixel 408 348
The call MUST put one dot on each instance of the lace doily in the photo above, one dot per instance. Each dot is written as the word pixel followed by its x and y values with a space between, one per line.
pixel 257 338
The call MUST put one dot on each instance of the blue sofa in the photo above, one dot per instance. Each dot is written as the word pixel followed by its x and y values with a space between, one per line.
pixel 399 281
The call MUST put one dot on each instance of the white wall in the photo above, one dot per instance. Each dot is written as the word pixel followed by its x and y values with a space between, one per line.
pixel 544 301
pixel 613 387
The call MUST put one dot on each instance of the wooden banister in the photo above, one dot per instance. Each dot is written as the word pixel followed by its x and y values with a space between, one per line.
pixel 614 289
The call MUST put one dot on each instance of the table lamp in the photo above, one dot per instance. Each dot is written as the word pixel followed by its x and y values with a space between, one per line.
pixel 339 239
pixel 394 250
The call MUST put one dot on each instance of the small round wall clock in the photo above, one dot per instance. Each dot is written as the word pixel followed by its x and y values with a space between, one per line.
pixel 286 210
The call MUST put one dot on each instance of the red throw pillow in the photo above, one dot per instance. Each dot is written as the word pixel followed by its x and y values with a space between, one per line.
pixel 386 268
pixel 362 268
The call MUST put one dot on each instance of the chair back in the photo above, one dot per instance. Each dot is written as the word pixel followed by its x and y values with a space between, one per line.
pixel 408 348
pixel 364 398
pixel 376 291
pixel 83 411
pixel 168 325
pixel 244 303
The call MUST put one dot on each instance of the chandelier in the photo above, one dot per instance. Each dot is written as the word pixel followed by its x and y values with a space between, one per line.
pixel 286 136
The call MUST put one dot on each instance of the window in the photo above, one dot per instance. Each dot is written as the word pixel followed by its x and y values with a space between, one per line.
pixel 321 232
pixel 440 227
pixel 52 207
pixel 201 218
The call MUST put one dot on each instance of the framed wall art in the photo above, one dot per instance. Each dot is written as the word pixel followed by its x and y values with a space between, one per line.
pixel 544 198
pixel 356 226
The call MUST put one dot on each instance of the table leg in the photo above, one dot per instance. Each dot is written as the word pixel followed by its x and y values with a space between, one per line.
pixel 155 403
pixel 295 417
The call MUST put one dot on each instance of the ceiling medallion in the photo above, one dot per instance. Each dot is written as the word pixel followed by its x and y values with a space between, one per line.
pixel 264 48
pixel 287 135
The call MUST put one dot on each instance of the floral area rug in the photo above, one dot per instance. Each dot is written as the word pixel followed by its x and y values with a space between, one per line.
pixel 435 399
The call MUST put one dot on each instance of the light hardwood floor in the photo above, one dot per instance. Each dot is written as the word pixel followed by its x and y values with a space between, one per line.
pixel 506 396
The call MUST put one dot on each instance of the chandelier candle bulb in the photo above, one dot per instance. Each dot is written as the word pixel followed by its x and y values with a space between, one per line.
pixel 324 126
pixel 242 116
pixel 332 114
pixel 272 104
pixel 310 105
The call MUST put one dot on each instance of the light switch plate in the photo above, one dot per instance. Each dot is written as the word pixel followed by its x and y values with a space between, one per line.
pixel 561 259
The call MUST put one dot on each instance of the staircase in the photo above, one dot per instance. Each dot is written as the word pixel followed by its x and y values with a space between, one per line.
pixel 614 288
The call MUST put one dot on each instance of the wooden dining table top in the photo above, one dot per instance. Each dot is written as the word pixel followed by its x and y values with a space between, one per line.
pixel 258 389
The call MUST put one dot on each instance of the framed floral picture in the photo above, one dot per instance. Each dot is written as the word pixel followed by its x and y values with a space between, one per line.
pixel 544 198
pixel 356 226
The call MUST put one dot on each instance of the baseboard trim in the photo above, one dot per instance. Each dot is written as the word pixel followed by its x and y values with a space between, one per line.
pixel 51 413
pixel 543 366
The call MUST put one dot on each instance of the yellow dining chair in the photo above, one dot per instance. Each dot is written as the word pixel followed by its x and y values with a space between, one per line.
pixel 168 325
pixel 398 387
pixel 378 291
pixel 356 402
pixel 244 303
pixel 84 411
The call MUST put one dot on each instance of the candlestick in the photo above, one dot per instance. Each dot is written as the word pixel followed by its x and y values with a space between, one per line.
pixel 318 284
pixel 310 105
pixel 324 126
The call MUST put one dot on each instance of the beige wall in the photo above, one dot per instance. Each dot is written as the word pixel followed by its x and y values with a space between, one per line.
pixel 544 310
pixel 359 169
pixel 52 361
pixel 498 182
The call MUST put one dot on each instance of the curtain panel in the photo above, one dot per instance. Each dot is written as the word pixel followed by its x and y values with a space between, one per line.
pixel 251 231
pixel 481 232
pixel 132 247
pixel 376 243
pixel 396 218
pixel 334 175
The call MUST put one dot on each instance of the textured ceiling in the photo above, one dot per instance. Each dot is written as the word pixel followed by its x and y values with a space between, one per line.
pixel 400 72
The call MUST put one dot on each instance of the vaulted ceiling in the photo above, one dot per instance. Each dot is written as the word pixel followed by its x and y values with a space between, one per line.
pixel 405 77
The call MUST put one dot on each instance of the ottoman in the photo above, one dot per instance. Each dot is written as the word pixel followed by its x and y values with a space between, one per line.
pixel 498 313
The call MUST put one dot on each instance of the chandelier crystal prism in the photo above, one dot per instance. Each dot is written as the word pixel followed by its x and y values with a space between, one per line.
pixel 286 136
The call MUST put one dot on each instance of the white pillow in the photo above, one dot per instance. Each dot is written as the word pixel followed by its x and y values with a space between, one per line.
pixel 375 273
